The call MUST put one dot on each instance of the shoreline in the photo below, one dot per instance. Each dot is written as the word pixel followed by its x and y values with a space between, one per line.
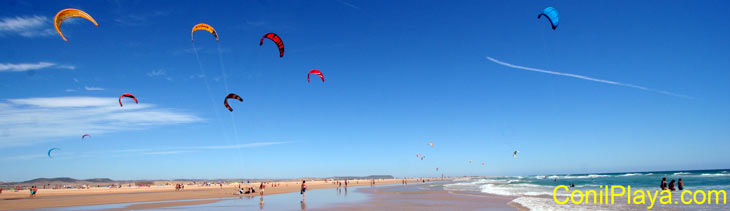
pixel 56 198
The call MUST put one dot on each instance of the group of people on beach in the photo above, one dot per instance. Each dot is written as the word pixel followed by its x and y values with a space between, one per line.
pixel 670 187
pixel 179 187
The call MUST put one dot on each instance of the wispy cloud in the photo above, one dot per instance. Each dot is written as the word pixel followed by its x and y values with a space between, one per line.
pixel 139 19
pixel 165 152
pixel 237 146
pixel 29 121
pixel 9 67
pixel 159 73
pixel 91 88
pixel 27 26
pixel 194 76
pixel 587 78
pixel 26 157
pixel 348 4
pixel 137 152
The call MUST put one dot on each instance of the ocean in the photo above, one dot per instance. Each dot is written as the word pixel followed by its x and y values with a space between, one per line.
pixel 535 192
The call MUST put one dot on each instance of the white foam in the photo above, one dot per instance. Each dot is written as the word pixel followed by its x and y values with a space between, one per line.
pixel 716 175
pixel 516 189
pixel 586 176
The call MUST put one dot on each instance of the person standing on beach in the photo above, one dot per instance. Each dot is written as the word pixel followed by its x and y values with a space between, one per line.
pixel 33 191
pixel 304 189
pixel 664 184
pixel 680 185
pixel 261 189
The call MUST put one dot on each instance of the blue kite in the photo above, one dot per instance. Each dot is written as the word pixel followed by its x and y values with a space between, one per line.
pixel 49 152
pixel 552 15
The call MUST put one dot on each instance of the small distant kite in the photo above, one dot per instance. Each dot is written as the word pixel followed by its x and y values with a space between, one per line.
pixel 430 143
pixel 231 96
pixel 482 163
pixel 552 15
pixel 70 13
pixel 470 161
pixel 514 154
pixel 51 150
pixel 422 157
pixel 84 136
pixel 317 72
pixel 204 27
pixel 418 155
pixel 437 169
pixel 276 39
pixel 129 96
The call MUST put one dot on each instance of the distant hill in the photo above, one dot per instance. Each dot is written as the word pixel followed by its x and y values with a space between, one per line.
pixel 365 177
pixel 65 180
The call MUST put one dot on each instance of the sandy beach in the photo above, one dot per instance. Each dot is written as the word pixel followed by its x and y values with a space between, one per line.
pixel 50 198
pixel 413 197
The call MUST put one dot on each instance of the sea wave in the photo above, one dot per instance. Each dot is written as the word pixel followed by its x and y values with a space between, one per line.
pixel 523 189
pixel 590 176
pixel 681 173
pixel 715 175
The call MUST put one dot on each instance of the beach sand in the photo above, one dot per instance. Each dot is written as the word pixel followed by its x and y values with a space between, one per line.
pixel 50 198
pixel 407 198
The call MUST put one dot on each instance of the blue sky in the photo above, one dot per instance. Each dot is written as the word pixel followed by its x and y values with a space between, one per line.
pixel 398 75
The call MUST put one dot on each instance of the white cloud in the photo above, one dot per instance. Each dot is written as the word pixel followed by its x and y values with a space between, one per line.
pixel 165 152
pixel 91 88
pixel 587 78
pixel 159 73
pixel 137 152
pixel 33 26
pixel 32 66
pixel 30 121
pixel 236 146
pixel 70 90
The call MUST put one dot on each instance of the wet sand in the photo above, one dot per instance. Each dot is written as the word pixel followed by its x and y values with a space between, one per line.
pixel 410 198
pixel 51 198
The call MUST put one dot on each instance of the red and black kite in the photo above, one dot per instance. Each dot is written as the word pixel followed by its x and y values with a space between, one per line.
pixel 231 96
pixel 276 39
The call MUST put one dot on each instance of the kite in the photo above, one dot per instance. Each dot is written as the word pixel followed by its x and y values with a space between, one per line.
pixel 418 155
pixel 319 73
pixel 206 27
pixel 129 96
pixel 552 15
pixel 514 154
pixel 430 143
pixel 422 157
pixel 231 96
pixel 482 163
pixel 469 161
pixel 276 39
pixel 437 169
pixel 50 150
pixel 70 13
pixel 84 136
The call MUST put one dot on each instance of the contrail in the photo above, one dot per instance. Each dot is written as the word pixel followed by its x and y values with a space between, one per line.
pixel 588 78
